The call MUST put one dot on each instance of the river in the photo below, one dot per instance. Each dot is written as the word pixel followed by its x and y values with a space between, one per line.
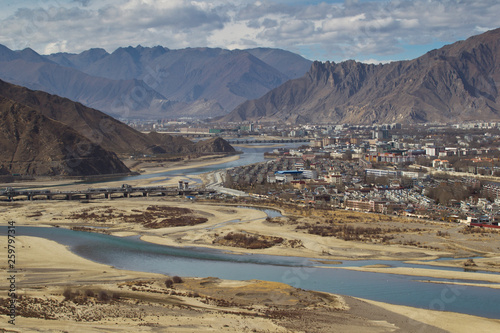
pixel 133 254
pixel 249 155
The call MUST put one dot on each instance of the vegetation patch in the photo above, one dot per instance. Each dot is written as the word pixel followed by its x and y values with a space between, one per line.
pixel 88 229
pixel 88 295
pixel 154 217
pixel 478 230
pixel 248 241
pixel 347 232
pixel 176 221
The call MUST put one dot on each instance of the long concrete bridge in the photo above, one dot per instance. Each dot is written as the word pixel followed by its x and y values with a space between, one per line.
pixel 245 141
pixel 125 191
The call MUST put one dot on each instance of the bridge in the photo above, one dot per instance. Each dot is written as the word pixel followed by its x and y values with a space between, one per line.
pixel 125 191
pixel 245 141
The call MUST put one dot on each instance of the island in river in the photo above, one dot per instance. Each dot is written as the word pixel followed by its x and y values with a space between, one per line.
pixel 59 291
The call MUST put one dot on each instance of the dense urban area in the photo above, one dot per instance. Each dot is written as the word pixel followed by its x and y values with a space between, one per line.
pixel 436 171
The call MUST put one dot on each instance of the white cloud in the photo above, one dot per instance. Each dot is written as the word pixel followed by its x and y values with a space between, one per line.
pixel 343 23
pixel 409 23
pixel 375 61
pixel 320 30
pixel 55 47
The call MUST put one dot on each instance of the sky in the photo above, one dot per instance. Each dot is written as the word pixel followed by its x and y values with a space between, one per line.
pixel 364 30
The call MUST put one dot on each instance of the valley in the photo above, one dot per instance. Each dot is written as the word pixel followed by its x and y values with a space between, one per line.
pixel 251 190
pixel 196 302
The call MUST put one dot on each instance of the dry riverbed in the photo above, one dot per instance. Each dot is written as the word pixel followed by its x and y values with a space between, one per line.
pixel 64 292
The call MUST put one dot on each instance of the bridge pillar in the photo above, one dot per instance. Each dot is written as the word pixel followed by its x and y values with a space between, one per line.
pixel 30 197
pixel 87 196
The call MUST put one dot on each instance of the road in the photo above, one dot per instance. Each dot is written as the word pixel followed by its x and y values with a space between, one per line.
pixel 216 182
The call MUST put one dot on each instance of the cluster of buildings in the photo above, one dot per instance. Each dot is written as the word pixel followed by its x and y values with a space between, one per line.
pixel 335 174
pixel 380 168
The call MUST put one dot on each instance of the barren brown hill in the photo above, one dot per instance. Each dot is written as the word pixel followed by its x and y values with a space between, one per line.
pixel 216 145
pixel 97 127
pixel 456 83
pixel 33 144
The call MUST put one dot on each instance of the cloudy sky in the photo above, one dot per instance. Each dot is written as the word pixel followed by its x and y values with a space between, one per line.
pixel 364 30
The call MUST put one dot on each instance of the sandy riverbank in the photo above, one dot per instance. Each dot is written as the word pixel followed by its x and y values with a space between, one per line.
pixel 448 321
pixel 144 168
pixel 221 220
pixel 126 216
pixel 62 292
pixel 45 275
pixel 46 269
pixel 148 168
pixel 434 273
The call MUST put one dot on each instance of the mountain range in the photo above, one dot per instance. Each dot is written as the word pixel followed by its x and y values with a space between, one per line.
pixel 154 82
pixel 44 134
pixel 456 83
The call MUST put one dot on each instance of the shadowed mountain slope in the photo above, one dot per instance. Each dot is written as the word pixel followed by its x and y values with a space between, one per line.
pixel 42 132
pixel 33 144
pixel 96 126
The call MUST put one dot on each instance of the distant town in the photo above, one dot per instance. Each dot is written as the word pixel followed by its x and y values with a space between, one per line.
pixel 447 172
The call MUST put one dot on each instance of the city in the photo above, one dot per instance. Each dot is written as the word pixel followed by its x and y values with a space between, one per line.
pixel 435 171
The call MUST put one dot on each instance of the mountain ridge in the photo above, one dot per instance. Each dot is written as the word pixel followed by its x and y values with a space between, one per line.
pixel 154 82
pixel 44 134
pixel 457 82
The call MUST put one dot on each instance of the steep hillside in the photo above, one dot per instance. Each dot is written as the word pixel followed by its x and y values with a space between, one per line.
pixel 94 125
pixel 229 77
pixel 180 145
pixel 458 82
pixel 214 145
pixel 288 63
pixel 33 144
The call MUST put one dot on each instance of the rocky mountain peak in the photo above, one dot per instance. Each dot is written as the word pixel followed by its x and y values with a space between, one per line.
pixel 458 82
